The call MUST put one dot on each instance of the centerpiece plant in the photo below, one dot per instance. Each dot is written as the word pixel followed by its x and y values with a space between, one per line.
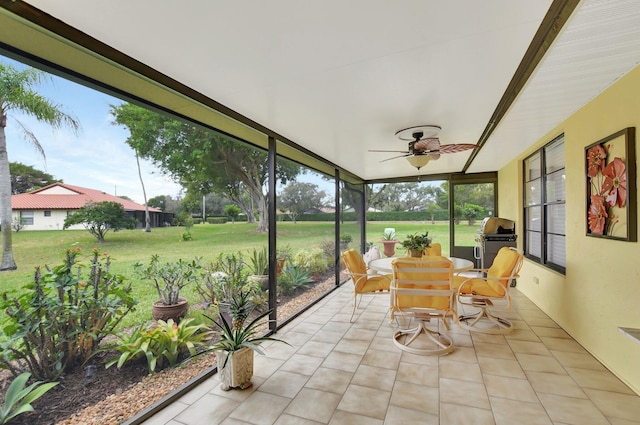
pixel 416 243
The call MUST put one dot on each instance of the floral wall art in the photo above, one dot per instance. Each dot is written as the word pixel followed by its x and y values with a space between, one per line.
pixel 611 187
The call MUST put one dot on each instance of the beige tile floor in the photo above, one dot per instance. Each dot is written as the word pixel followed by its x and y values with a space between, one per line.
pixel 339 373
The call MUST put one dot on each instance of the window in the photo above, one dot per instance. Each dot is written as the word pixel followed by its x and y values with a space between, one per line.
pixel 544 206
pixel 47 213
pixel 26 217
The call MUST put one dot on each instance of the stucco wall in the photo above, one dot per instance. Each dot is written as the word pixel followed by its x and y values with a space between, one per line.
pixel 40 222
pixel 601 289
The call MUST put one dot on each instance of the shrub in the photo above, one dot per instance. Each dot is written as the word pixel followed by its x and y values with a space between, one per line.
pixel 312 261
pixel 328 246
pixel 162 346
pixel 292 278
pixel 59 321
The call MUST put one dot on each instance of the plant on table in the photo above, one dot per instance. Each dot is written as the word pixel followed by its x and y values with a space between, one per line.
pixel 416 243
pixel 59 321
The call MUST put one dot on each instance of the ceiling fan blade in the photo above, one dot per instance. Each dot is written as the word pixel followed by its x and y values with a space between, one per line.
pixel 458 147
pixel 379 150
pixel 428 144
pixel 395 157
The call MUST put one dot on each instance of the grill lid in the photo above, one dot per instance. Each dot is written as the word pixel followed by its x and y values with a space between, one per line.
pixel 496 225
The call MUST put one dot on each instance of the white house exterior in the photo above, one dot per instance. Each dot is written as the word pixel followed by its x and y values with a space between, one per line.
pixel 47 208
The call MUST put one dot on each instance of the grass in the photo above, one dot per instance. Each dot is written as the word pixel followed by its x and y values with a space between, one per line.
pixel 33 249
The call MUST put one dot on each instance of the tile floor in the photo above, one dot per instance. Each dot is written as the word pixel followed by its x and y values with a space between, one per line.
pixel 337 373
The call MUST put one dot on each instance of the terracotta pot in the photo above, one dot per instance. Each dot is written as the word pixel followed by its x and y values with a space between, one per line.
pixel 238 370
pixel 160 311
pixel 389 247
pixel 416 253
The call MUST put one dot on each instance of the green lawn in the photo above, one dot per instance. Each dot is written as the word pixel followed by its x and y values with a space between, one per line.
pixel 37 248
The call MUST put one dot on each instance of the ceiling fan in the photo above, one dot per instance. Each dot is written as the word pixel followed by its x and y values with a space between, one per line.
pixel 424 145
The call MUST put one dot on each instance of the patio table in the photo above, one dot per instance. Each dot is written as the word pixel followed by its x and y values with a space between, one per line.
pixel 383 265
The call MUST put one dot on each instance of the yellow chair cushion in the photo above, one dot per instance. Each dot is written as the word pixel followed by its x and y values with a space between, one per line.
pixel 479 286
pixel 407 301
pixel 502 267
pixel 364 283
pixel 434 250
pixel 497 276
pixel 374 283
pixel 354 261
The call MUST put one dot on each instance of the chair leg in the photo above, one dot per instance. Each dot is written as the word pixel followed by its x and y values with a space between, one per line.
pixel 403 339
pixel 499 324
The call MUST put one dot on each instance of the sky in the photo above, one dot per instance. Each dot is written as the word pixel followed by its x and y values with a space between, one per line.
pixel 97 157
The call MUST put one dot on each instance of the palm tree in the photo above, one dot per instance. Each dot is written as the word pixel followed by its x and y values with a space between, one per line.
pixel 17 92
pixel 147 220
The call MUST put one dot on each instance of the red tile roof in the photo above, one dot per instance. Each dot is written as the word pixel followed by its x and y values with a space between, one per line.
pixel 74 198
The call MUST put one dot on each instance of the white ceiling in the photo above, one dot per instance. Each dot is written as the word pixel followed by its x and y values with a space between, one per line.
pixel 341 77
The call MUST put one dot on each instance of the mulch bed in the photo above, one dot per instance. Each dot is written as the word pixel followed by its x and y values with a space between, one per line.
pixel 115 395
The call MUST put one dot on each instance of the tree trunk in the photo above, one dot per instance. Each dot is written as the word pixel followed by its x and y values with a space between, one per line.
pixel 8 263
pixel 147 220
pixel 263 214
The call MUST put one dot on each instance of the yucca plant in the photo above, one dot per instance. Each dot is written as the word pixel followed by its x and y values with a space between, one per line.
pixel 235 338
pixel 18 399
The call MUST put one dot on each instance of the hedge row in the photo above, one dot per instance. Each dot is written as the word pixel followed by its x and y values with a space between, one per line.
pixel 440 215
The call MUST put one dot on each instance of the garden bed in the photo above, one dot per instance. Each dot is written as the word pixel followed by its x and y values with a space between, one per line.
pixel 115 395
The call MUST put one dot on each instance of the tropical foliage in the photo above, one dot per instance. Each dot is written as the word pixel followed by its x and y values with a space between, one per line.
pixel 202 160
pixel 18 93
pixel 58 322
pixel 19 397
pixel 163 346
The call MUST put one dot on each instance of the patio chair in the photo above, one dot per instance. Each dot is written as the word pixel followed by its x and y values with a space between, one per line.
pixel 490 292
pixel 363 281
pixel 422 289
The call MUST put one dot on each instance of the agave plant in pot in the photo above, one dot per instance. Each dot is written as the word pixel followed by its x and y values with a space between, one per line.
pixel 238 341
pixel 258 265
pixel 389 241
pixel 169 279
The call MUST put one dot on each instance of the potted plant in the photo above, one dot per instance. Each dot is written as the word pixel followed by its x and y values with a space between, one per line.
pixel 258 265
pixel 169 279
pixel 223 278
pixel 345 240
pixel 237 343
pixel 282 256
pixel 389 242
pixel 416 243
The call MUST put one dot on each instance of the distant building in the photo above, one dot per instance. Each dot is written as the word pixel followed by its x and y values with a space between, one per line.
pixel 46 208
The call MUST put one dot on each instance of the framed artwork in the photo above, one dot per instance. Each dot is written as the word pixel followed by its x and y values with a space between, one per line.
pixel 611 187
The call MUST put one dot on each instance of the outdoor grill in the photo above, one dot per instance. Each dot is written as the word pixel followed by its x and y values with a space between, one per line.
pixel 494 234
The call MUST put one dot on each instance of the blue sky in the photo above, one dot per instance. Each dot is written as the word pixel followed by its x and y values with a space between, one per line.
pixel 97 157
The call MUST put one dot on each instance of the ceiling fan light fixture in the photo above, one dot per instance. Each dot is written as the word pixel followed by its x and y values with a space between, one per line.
pixel 418 161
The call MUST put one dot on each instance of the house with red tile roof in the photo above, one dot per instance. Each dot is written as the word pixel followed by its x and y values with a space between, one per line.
pixel 46 208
